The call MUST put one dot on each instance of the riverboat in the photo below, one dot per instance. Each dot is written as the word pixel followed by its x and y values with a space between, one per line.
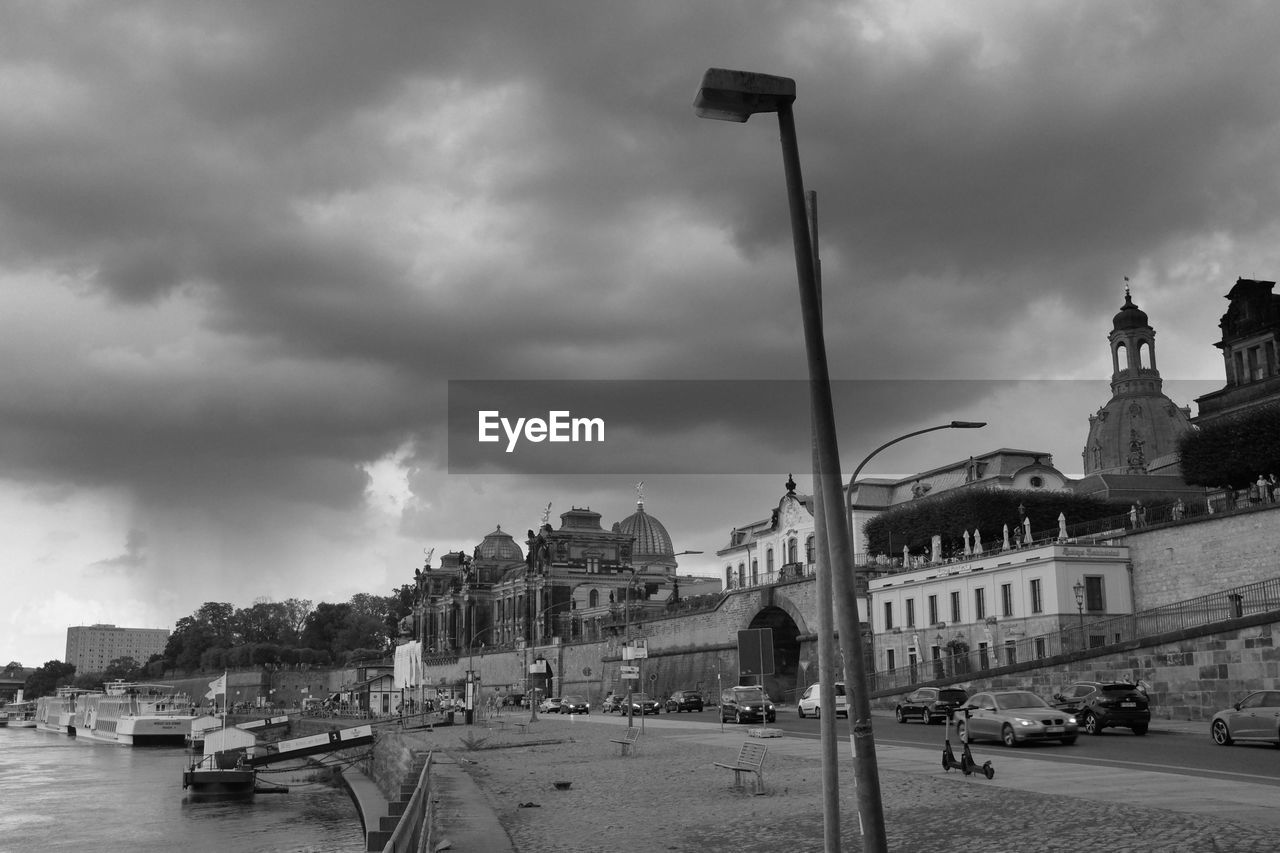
pixel 57 713
pixel 18 715
pixel 222 775
pixel 135 714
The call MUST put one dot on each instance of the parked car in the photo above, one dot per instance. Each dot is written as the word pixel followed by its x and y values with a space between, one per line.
pixel 1012 717
pixel 930 704
pixel 612 702
pixel 550 705
pixel 574 705
pixel 810 701
pixel 746 704
pixel 1099 705
pixel 641 703
pixel 684 700
pixel 1256 717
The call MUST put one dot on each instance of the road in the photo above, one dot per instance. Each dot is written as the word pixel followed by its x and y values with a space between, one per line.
pixel 1160 750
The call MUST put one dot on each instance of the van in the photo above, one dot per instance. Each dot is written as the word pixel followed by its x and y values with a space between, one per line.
pixel 810 701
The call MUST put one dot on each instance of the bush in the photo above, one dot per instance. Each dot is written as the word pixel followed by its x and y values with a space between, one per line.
pixel 1232 452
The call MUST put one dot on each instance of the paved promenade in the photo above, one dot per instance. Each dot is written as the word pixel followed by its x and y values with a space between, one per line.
pixel 669 796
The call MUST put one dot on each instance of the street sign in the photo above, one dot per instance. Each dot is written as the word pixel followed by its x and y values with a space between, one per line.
pixel 635 650
pixel 630 671
pixel 755 651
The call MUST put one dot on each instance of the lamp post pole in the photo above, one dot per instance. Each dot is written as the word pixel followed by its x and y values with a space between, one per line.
pixel 735 96
pixel 1078 589
pixel 473 693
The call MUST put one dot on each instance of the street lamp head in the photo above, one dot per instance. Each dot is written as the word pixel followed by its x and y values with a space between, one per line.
pixel 968 424
pixel 737 95
pixel 1078 589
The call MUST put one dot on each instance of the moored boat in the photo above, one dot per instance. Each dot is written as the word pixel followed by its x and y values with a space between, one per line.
pixel 135 714
pixel 57 713
pixel 18 715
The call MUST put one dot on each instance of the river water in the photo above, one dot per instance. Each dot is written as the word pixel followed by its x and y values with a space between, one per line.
pixel 59 793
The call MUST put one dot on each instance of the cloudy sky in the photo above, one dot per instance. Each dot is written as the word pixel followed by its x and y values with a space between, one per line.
pixel 245 248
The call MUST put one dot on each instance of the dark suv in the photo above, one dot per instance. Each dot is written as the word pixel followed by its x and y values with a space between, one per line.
pixel 930 704
pixel 684 700
pixel 745 704
pixel 1098 705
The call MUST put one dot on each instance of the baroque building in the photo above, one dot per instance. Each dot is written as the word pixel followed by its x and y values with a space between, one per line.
pixel 1138 430
pixel 573 582
pixel 1250 340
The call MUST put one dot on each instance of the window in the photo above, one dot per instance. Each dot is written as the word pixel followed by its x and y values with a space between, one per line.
pixel 593 564
pixel 1037 602
pixel 955 606
pixel 1010 651
pixel 1041 649
pixel 1093 601
pixel 1006 599
pixel 593 598
pixel 979 604
pixel 911 612
pixel 791 551
pixel 933 610
pixel 768 561
pixel 888 615
pixel 755 572
pixel 890 659
pixel 808 550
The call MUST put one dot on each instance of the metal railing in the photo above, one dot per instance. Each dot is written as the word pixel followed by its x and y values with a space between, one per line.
pixel 1248 600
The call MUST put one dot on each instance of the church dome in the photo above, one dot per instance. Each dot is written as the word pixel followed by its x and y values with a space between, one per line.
pixel 1130 316
pixel 499 547
pixel 1129 434
pixel 652 541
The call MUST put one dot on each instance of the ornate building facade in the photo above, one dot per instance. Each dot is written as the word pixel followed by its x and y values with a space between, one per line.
pixel 1138 430
pixel 574 582
pixel 1250 348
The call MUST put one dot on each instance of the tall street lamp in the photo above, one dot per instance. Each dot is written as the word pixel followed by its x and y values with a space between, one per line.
pixel 848 493
pixel 626 625
pixel 474 693
pixel 1078 589
pixel 736 96
pixel 533 706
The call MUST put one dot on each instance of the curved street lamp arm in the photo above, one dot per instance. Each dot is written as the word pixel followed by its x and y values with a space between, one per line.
pixel 848 493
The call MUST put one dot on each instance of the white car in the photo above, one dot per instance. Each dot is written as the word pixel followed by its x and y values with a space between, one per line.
pixel 549 706
pixel 810 702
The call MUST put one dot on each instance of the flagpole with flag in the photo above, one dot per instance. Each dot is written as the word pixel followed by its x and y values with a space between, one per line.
pixel 218 685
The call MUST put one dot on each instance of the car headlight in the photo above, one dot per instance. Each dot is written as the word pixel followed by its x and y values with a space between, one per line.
pixel 1020 721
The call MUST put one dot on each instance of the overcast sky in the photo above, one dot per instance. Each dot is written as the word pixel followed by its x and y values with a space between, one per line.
pixel 244 247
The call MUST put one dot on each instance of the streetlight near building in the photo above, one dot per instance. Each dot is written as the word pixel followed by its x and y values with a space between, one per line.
pixel 730 95
pixel 1078 589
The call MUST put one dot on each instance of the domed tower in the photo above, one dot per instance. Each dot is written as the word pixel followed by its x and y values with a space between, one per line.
pixel 1137 432
pixel 652 544
pixel 497 554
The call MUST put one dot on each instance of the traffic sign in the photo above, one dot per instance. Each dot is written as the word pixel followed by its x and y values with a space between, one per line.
pixel 630 671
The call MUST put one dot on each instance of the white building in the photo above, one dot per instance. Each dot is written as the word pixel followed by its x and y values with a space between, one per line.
pixel 998 608
pixel 91 648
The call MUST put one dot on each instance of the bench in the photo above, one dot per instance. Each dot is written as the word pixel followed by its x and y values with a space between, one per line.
pixel 750 760
pixel 523 727
pixel 627 741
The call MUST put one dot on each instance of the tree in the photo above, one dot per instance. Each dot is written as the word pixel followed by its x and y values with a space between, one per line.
pixel 324 625
pixel 48 678
pixel 950 514
pixel 125 668
pixel 208 628
pixel 265 622
pixel 1231 453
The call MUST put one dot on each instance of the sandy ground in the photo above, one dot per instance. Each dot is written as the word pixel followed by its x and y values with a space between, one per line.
pixel 670 796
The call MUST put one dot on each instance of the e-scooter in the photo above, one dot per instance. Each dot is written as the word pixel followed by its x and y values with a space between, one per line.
pixel 966 764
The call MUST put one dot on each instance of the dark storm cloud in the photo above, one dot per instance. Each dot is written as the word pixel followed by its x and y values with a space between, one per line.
pixel 246 245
